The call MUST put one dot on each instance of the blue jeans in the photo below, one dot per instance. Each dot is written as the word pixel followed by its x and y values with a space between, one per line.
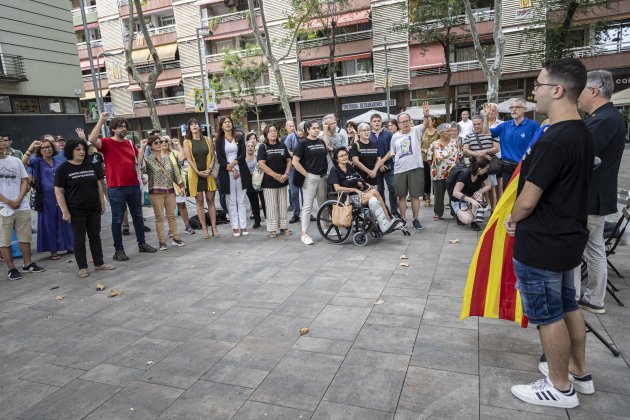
pixel 119 198
pixel 294 194
pixel 545 295
pixel 388 177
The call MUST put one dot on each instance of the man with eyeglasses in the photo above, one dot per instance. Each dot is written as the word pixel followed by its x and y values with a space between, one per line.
pixel 515 136
pixel 408 166
pixel 607 126
pixel 8 150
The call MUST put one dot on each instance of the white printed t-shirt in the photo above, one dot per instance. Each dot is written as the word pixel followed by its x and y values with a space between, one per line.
pixel 405 150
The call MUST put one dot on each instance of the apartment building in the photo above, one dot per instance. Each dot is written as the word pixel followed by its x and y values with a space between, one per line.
pixel 40 81
pixel 365 40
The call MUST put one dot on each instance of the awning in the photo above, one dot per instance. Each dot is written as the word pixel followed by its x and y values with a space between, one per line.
pixel 166 52
pixel 323 61
pixel 89 95
pixel 90 25
pixel 352 18
pixel 140 56
pixel 230 34
pixel 85 64
pixel 417 114
pixel 160 84
pixel 432 56
pixel 621 98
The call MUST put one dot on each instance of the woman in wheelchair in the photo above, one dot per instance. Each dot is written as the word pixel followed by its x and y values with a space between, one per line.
pixel 344 178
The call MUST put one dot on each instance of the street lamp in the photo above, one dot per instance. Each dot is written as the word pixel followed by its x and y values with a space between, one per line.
pixel 100 102
pixel 203 74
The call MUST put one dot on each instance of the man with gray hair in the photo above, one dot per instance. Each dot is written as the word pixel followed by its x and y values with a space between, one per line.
pixel 337 137
pixel 607 126
pixel 515 135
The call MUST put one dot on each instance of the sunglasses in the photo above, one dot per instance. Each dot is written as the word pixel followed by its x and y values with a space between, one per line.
pixel 160 142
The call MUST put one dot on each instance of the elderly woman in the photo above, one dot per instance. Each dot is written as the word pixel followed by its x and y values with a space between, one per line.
pixel 429 135
pixel 443 155
pixel 273 158
pixel 468 203
pixel 343 178
pixel 79 194
pixel 172 149
pixel 53 233
pixel 364 155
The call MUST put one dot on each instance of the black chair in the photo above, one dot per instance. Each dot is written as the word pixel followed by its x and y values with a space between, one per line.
pixel 613 232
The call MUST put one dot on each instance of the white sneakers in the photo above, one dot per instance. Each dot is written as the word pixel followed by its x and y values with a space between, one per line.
pixel 306 240
pixel 583 385
pixel 542 392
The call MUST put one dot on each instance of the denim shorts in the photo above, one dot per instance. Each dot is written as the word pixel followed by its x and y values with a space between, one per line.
pixel 546 295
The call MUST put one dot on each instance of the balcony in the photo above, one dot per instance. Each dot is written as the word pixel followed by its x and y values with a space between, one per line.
pixel 161 101
pixel 148 6
pixel 167 65
pixel 12 68
pixel 97 47
pixel 602 49
pixel 339 81
pixel 159 36
pixel 217 58
pixel 483 15
pixel 213 21
pixel 260 90
pixel 91 16
pixel 469 65
pixel 341 38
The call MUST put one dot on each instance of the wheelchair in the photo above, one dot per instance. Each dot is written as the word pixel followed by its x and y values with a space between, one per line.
pixel 364 224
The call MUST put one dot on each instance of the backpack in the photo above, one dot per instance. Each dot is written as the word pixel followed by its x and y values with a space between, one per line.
pixel 452 178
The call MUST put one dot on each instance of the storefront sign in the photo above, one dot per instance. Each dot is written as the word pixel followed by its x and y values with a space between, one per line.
pixel 367 105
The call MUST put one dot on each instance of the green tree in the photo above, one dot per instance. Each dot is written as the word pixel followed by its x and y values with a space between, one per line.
pixel 246 73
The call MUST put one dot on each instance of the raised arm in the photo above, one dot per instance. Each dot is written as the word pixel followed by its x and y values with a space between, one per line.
pixel 97 129
pixel 26 158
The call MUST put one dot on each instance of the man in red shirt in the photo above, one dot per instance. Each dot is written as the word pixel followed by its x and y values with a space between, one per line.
pixel 121 171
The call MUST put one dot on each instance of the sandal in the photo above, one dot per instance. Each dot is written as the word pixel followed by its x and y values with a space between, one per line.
pixel 273 234
pixel 287 232
pixel 437 218
pixel 206 235
pixel 427 202
pixel 215 233
pixel 55 257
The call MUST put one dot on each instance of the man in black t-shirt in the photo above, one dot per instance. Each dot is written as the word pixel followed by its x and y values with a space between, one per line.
pixel 549 223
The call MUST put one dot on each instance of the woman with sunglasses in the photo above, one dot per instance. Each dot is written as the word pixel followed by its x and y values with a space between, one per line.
pixel 53 233
pixel 162 180
pixel 364 155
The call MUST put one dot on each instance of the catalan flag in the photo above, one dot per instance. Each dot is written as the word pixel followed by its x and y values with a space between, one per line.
pixel 490 289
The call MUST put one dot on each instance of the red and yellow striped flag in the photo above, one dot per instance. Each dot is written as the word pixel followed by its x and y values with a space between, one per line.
pixel 490 290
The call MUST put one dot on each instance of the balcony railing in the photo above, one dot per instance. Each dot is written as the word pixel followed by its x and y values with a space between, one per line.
pixel 469 65
pixel 99 75
pixel 93 43
pixel 428 71
pixel 154 31
pixel 602 49
pixel 260 90
pixel 341 38
pixel 90 16
pixel 339 81
pixel 161 101
pixel 12 68
pixel 228 17
pixel 480 16
pixel 173 64
pixel 215 58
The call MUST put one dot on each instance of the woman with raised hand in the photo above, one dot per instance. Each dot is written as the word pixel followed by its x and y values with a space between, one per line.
pixel 80 197
pixel 234 175
pixel 200 154
pixel 53 233
pixel 273 158
pixel 444 153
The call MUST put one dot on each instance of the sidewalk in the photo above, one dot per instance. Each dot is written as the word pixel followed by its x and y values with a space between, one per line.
pixel 211 331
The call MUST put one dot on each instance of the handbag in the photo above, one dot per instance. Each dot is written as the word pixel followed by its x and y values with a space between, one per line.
pixel 495 163
pixel 37 190
pixel 214 172
pixel 342 213
pixel 257 176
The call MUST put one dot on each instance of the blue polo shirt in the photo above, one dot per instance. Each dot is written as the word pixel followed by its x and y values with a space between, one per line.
pixel 515 138
pixel 383 141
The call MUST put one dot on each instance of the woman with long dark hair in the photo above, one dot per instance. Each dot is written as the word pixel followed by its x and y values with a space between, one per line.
pixel 200 154
pixel 234 176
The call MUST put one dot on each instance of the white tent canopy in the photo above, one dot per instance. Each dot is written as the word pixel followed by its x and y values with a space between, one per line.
pixel 504 107
pixel 365 117
pixel 621 98
pixel 417 114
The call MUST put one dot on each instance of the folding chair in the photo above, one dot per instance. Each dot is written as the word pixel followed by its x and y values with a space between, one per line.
pixel 613 236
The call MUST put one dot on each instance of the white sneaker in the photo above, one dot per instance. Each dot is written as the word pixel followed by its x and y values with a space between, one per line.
pixel 542 392
pixel 583 385
pixel 307 240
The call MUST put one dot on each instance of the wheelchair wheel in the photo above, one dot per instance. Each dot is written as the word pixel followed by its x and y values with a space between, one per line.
pixel 360 239
pixel 326 228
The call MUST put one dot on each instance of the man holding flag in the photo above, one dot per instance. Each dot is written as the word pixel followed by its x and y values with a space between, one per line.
pixel 549 225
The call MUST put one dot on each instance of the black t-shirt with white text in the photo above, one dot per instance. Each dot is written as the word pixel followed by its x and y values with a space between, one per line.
pixel 470 186
pixel 275 156
pixel 368 156
pixel 560 163
pixel 80 184
pixel 348 179
pixel 313 156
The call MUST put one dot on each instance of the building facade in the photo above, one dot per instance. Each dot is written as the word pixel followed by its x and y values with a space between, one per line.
pixel 367 36
pixel 40 81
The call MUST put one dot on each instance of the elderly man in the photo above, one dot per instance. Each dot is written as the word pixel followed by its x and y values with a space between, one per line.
pixel 607 126
pixel 515 136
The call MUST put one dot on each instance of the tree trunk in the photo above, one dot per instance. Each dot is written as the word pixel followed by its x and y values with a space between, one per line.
pixel 332 68
pixel 446 45
pixel 559 44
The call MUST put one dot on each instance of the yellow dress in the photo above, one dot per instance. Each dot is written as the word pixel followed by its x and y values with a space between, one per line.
pixel 197 153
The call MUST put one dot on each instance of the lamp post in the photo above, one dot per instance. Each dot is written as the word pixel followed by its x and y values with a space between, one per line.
pixel 88 42
pixel 387 91
pixel 204 75
pixel 100 103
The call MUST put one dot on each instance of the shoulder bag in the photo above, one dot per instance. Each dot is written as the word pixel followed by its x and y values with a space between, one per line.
pixel 178 188
pixel 214 165
pixel 257 176
pixel 342 213
pixel 495 163
pixel 37 190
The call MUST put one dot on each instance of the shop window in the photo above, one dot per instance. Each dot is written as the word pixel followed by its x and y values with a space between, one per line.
pixel 55 106
pixel 26 106
pixel 71 106
pixel 5 104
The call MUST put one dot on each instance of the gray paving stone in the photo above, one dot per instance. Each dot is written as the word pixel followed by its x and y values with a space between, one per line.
pixel 267 296
pixel 510 338
pixel 17 395
pixel 235 375
pixel 52 375
pixel 299 381
pixel 450 349
pixel 367 358
pixel 296 311
pixel 328 410
pixel 138 400
pixel 235 324
pixel 171 333
pixel 444 311
pixel 252 410
pixel 112 374
pixel 207 400
pixel 142 351
pixel 339 322
pixel 368 387
pixel 394 320
pixel 352 301
pixel 367 287
pixel 429 393
pixel 506 360
pixel 323 345
pixel 386 338
pixel 309 298
pixel 258 353
pixel 74 401
pixel 282 328
pixel 400 305
pixel 496 413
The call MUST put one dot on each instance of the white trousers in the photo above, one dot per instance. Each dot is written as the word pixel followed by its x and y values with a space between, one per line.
pixel 595 256
pixel 237 208
pixel 314 187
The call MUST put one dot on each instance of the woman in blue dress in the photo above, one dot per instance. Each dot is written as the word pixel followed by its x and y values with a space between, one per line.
pixel 53 234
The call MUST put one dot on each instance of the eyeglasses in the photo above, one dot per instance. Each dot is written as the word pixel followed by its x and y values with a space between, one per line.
pixel 365 131
pixel 160 142
pixel 404 122
pixel 46 148
pixel 516 107
pixel 537 84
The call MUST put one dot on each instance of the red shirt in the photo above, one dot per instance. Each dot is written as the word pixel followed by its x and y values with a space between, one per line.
pixel 120 162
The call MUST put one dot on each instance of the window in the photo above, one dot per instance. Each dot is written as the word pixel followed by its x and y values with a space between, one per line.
pixel 615 38
pixel 71 106
pixel 24 106
pixel 55 106
pixel 468 53
pixel 219 46
pixel 342 68
pixel 364 66
pixel 167 20
pixel 5 104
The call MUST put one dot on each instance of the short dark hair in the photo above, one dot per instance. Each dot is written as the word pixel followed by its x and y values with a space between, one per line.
pixel 73 144
pixel 152 138
pixel 251 133
pixel 153 132
pixel 570 73
pixel 308 124
pixel 117 122
pixel 352 124
pixel 476 164
pixel 336 152
pixel 393 121
pixel 7 135
pixel 265 133
pixel 375 115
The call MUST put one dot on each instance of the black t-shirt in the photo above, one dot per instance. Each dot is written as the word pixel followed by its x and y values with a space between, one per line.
pixel 348 179
pixel 97 160
pixel 275 156
pixel 368 155
pixel 560 163
pixel 470 186
pixel 313 156
pixel 80 184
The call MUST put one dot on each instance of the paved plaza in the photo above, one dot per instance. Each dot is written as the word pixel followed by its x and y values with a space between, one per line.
pixel 212 331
